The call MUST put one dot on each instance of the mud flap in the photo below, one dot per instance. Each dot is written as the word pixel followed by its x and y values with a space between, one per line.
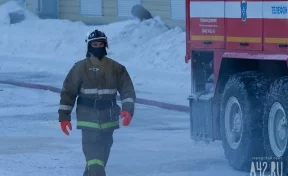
pixel 201 121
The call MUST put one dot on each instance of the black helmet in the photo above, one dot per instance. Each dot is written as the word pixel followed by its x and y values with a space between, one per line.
pixel 96 35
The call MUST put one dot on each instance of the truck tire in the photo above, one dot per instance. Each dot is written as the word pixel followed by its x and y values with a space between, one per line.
pixel 275 123
pixel 241 113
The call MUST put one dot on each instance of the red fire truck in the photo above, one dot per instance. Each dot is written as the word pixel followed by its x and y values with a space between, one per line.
pixel 238 50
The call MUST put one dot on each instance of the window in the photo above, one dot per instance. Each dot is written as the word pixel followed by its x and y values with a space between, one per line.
pixel 91 7
pixel 177 8
pixel 125 6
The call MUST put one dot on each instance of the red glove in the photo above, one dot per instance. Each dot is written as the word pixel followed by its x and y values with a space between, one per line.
pixel 127 118
pixel 64 125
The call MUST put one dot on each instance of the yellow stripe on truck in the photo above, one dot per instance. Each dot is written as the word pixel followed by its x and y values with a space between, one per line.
pixel 239 39
pixel 207 38
pixel 276 40
pixel 244 39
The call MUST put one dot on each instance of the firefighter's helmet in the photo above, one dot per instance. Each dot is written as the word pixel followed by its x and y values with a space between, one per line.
pixel 96 35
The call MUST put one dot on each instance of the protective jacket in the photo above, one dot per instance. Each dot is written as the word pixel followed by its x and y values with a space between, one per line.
pixel 95 83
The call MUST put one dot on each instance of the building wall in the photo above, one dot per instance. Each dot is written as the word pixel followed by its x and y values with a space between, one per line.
pixel 162 8
pixel 70 9
pixel 32 5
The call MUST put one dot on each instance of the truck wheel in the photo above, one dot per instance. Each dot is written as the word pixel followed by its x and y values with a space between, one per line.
pixel 241 113
pixel 275 123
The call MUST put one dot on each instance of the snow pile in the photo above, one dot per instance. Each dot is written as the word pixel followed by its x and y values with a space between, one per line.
pixel 12 7
pixel 148 44
pixel 153 53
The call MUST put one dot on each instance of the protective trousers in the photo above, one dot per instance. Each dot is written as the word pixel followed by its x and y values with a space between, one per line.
pixel 96 148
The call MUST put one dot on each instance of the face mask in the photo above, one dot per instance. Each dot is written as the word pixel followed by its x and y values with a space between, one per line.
pixel 98 52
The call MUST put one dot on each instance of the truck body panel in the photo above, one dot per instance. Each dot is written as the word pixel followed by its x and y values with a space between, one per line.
pixel 275 14
pixel 232 29
pixel 207 24
pixel 239 56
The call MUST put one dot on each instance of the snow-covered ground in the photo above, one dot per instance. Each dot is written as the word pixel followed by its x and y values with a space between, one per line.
pixel 156 144
pixel 171 87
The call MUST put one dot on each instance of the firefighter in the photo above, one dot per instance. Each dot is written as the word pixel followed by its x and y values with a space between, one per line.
pixel 94 82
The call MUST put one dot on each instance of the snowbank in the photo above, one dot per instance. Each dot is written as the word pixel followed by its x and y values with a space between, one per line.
pixel 13 6
pixel 149 44
pixel 153 53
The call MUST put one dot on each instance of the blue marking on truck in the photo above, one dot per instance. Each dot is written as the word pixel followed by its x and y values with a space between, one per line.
pixel 279 10
pixel 244 10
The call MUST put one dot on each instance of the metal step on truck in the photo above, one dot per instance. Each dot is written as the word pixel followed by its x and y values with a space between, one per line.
pixel 238 51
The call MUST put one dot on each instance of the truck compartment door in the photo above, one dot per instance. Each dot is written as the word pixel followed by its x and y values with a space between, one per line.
pixel 207 24
pixel 202 93
pixel 275 26
pixel 244 25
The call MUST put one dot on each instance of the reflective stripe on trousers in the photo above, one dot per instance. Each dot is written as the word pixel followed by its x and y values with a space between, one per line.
pixel 95 162
pixel 65 107
pixel 97 125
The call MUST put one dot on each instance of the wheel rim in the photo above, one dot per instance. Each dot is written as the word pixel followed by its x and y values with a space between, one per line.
pixel 233 122
pixel 278 129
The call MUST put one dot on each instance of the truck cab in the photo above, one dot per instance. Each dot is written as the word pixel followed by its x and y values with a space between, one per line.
pixel 238 51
